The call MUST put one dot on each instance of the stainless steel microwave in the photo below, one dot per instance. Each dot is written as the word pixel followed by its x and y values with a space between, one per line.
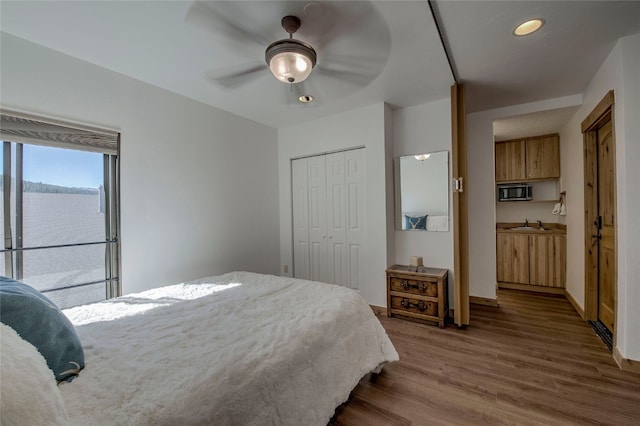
pixel 515 192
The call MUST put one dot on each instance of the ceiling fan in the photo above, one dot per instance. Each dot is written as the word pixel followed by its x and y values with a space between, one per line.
pixel 290 60
pixel 352 39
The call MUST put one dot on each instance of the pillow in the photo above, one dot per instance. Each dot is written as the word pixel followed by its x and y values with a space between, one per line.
pixel 28 395
pixel 415 222
pixel 39 321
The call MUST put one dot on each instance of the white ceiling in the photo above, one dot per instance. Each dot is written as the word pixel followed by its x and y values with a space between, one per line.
pixel 533 124
pixel 386 51
pixel 559 60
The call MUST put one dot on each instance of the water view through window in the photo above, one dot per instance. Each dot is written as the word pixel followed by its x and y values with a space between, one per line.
pixel 59 222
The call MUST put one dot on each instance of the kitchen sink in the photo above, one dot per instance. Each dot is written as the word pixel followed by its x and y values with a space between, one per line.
pixel 529 228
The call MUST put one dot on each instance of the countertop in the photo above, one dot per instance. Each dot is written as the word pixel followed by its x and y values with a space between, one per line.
pixel 548 228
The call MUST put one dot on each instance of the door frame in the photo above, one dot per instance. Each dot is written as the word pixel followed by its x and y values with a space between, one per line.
pixel 602 113
pixel 460 207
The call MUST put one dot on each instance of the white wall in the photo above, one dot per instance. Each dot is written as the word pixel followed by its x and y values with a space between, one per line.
pixel 418 129
pixel 628 157
pixel 619 73
pixel 198 184
pixel 364 127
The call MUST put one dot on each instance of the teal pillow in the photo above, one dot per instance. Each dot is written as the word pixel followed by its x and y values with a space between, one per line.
pixel 415 222
pixel 39 321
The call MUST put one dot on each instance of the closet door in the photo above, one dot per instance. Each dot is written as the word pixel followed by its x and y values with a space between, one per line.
pixel 355 186
pixel 300 200
pixel 329 217
pixel 336 220
pixel 317 219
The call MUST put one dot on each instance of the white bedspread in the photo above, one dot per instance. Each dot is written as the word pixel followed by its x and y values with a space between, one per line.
pixel 258 350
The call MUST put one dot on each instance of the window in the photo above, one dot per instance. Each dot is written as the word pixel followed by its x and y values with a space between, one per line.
pixel 59 218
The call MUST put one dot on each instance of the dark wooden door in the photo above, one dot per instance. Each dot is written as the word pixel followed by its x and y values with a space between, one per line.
pixel 606 224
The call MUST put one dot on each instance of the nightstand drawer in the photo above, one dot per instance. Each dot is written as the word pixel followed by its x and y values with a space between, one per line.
pixel 421 287
pixel 416 306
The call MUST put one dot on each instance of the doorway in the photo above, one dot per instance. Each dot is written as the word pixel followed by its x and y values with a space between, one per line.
pixel 600 219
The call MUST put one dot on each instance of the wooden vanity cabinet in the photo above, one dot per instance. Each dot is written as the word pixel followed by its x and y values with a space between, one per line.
pixel 531 260
pixel 547 259
pixel 534 158
pixel 513 258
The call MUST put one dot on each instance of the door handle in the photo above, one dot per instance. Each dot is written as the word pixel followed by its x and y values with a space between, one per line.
pixel 597 236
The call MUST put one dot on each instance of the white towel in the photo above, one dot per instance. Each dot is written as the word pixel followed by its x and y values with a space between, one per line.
pixel 563 210
pixel 556 208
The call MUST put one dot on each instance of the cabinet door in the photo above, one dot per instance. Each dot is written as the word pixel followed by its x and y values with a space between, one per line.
pixel 547 258
pixel 510 161
pixel 543 158
pixel 513 258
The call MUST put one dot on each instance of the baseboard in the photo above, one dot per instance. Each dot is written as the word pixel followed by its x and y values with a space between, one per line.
pixel 574 303
pixel 625 364
pixel 485 301
pixel 378 310
pixel 532 288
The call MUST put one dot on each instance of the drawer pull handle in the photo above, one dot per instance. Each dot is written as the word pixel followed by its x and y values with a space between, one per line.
pixel 405 284
pixel 406 303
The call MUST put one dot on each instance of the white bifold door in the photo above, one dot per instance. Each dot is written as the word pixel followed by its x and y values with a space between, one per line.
pixel 329 217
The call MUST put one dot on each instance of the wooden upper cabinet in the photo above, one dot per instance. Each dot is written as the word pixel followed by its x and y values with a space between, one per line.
pixel 510 161
pixel 543 157
pixel 533 158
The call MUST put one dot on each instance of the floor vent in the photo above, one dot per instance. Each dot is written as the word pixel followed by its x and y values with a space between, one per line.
pixel 603 333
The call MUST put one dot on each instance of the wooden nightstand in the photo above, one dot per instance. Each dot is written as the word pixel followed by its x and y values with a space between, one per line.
pixel 417 293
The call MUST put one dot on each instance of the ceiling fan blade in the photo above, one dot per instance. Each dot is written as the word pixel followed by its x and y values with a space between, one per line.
pixel 361 76
pixel 234 77
pixel 347 20
pixel 353 45
pixel 216 17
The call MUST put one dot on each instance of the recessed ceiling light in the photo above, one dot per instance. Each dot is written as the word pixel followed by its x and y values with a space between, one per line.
pixel 528 27
pixel 305 99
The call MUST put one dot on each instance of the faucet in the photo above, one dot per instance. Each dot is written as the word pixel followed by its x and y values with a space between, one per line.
pixel 526 222
pixel 540 224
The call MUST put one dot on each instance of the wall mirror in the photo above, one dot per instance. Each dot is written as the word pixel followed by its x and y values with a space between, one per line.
pixel 422 192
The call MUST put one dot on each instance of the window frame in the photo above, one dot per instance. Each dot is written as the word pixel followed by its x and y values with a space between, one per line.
pixel 107 141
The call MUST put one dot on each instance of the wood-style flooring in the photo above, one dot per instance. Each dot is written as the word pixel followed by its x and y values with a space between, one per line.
pixel 531 360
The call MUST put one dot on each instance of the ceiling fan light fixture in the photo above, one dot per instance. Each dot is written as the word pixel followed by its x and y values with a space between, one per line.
pixel 528 27
pixel 290 60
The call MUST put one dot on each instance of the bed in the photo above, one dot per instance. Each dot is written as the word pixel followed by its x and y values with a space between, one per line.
pixel 236 349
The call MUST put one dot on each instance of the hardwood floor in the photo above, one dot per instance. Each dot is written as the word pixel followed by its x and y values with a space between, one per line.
pixel 531 360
